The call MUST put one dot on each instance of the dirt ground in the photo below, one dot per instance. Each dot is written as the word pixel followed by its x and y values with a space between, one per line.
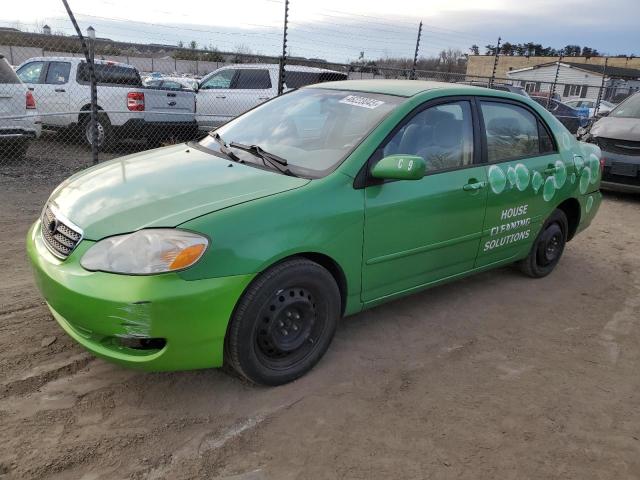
pixel 494 377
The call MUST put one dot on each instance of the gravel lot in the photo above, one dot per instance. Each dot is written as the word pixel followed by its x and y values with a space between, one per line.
pixel 497 376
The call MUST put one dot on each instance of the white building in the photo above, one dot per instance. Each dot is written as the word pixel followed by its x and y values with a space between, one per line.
pixel 578 80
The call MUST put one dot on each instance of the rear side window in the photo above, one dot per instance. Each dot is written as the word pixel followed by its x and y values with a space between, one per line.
pixel 7 75
pixel 300 79
pixel 58 73
pixel 442 135
pixel 110 74
pixel 30 73
pixel 253 79
pixel 512 132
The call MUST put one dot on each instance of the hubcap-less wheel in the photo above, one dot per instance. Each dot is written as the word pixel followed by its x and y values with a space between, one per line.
pixel 289 328
pixel 550 245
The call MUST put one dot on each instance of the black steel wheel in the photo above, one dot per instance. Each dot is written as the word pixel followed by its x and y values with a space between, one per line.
pixel 548 247
pixel 283 323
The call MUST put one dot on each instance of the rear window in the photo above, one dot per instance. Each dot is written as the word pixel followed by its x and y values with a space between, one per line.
pixel 110 74
pixel 7 75
pixel 301 79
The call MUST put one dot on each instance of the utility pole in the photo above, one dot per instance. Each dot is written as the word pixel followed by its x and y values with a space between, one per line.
pixel 555 81
pixel 495 63
pixel 283 58
pixel 87 56
pixel 415 55
pixel 604 76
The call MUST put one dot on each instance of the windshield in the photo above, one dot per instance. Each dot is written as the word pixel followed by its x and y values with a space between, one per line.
pixel 312 129
pixel 630 108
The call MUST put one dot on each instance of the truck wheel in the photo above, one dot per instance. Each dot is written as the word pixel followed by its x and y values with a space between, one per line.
pixel 283 323
pixel 105 132
pixel 548 247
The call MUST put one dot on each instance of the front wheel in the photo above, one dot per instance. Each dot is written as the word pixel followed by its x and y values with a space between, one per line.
pixel 105 132
pixel 284 322
pixel 548 247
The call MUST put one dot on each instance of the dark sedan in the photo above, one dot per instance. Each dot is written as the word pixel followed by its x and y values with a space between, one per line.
pixel 618 136
pixel 572 118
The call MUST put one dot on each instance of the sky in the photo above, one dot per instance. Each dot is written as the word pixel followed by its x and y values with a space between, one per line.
pixel 338 30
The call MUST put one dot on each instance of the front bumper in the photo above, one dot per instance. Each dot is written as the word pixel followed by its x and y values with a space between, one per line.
pixel 100 309
pixel 621 172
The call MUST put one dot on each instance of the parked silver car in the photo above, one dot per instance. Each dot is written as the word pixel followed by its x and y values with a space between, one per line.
pixel 19 120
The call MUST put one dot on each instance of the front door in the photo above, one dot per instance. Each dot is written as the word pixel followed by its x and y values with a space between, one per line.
pixel 418 232
pixel 524 171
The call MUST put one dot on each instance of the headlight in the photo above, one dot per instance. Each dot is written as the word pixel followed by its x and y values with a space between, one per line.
pixel 146 252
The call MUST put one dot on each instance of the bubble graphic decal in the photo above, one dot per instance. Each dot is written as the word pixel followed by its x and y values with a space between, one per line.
pixel 497 179
pixel 589 204
pixel 511 175
pixel 561 174
pixel 566 141
pixel 585 177
pixel 572 178
pixel 579 163
pixel 549 188
pixel 594 166
pixel 536 181
pixel 522 177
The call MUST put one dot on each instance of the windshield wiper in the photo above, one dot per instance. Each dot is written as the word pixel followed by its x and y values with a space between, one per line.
pixel 274 160
pixel 224 148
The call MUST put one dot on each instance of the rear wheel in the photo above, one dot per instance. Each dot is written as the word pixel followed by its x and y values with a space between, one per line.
pixel 105 131
pixel 283 323
pixel 548 247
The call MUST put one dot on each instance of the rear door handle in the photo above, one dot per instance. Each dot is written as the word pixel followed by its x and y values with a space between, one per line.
pixel 171 94
pixel 263 98
pixel 60 90
pixel 469 187
pixel 549 170
pixel 220 96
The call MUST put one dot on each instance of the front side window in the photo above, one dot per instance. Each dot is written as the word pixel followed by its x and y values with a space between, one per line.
pixel 58 73
pixel 30 73
pixel 312 128
pixel 630 108
pixel 512 131
pixel 253 79
pixel 442 135
pixel 220 80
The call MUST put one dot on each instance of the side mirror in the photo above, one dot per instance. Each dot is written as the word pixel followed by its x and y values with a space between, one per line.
pixel 400 167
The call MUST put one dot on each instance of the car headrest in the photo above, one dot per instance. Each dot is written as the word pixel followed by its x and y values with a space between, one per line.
pixel 448 133
pixel 504 127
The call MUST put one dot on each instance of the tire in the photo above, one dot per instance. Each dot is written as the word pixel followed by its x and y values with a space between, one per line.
pixel 283 323
pixel 105 132
pixel 548 247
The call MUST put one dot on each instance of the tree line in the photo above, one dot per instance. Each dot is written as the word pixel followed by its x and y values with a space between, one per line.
pixel 531 49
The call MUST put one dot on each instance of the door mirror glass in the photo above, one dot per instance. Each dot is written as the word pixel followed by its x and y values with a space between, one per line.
pixel 400 167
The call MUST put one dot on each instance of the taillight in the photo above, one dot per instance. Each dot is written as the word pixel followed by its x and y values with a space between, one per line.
pixel 135 101
pixel 601 165
pixel 30 101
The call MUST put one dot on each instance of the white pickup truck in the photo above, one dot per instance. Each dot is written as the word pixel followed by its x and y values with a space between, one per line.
pixel 127 109
pixel 231 90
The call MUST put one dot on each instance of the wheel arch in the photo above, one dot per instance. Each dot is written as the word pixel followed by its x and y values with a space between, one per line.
pixel 571 208
pixel 85 111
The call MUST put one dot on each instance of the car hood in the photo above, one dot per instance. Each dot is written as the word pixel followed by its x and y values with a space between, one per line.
pixel 161 188
pixel 618 128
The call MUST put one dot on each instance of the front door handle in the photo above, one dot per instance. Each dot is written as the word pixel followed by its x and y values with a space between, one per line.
pixel 60 90
pixel 221 96
pixel 550 170
pixel 263 98
pixel 471 186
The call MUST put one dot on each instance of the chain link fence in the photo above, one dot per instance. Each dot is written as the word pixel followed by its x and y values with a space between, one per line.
pixel 146 101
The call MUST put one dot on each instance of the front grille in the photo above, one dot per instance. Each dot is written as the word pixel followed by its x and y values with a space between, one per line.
pixel 623 147
pixel 60 236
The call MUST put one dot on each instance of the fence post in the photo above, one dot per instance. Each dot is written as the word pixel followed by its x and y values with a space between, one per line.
pixel 555 82
pixel 495 63
pixel 87 56
pixel 91 33
pixel 11 54
pixel 604 75
pixel 415 55
pixel 281 71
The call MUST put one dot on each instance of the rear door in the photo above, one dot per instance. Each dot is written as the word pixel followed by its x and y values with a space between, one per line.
pixel 422 231
pixel 53 93
pixel 524 172
pixel 250 87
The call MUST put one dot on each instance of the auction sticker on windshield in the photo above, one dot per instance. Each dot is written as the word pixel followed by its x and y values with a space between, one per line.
pixel 359 101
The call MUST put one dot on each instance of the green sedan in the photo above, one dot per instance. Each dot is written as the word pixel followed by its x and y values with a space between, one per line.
pixel 247 247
